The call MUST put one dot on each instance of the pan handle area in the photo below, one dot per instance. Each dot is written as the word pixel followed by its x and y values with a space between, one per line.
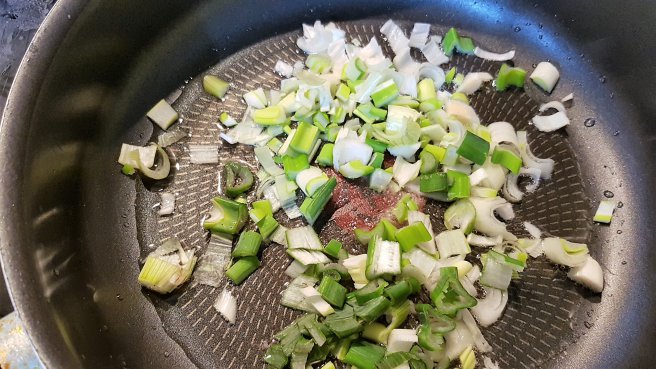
pixel 16 350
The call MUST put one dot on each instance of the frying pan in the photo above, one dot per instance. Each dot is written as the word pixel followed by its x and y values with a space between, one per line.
pixel 74 228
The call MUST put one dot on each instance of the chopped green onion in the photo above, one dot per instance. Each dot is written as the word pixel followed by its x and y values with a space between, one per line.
pixel 274 144
pixel 459 185
pixel 451 243
pixel 303 238
pixel 401 340
pixel 430 105
pixel 240 270
pixel 304 115
pixel 313 206
pixel 333 292
pixel 276 357
pixel 293 298
pixel 459 79
pixel 428 162
pixel 449 296
pixel 385 93
pixel 273 115
pixel 509 76
pixel 261 209
pixel 305 137
pixel 168 267
pixel 333 248
pixel 461 214
pixel 468 358
pixel 465 45
pixel 378 146
pixel 128 170
pixel 162 114
pixel 267 226
pixel 450 41
pixel 369 114
pixel 355 169
pixel 412 235
pixel 265 157
pixel 377 159
pixel 434 182
pixel 318 63
pixel 248 244
pixel 375 332
pixel 343 92
pixel 401 210
pixel 605 211
pixel 294 164
pixel 325 157
pixel 397 315
pixel 398 292
pixel 474 148
pixel 328 365
pixel 226 216
pixel 238 178
pixel 215 86
pixel 373 309
pixel 383 258
pixel 314 298
pixel 370 291
pixel 426 90
pixel 343 323
pixel 364 355
pixel 507 158
pixel 321 121
pixel 448 78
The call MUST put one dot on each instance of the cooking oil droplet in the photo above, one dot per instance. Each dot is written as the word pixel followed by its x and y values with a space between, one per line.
pixel 609 194
pixel 623 262
pixel 620 204
pixel 616 133
pixel 619 231
pixel 602 79
pixel 540 25
pixel 119 297
pixel 589 122
pixel 534 65
pixel 167 354
pixel 540 37
pixel 517 29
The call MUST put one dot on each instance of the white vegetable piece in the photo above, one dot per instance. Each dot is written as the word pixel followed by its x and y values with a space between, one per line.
pixel 489 55
pixel 463 112
pixel 386 259
pixel 534 231
pixel 379 180
pixel 350 147
pixel 419 35
pixel 226 305
pixel 531 161
pixel 546 76
pixel 605 211
pixel 550 123
pixel 473 81
pixel 502 132
pixel 486 222
pixel 563 252
pixel 405 172
pixel 204 154
pixel 401 340
pixel 306 175
pixel 480 342
pixel 356 266
pixel 284 69
pixel 303 238
pixel 146 155
pixel 314 298
pixel 451 243
pixel 488 310
pixel 552 105
pixel 433 53
pixel 162 114
pixel 405 151
pixel 167 204
pixel 588 274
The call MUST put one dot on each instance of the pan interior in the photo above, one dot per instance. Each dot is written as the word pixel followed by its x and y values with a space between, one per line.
pixel 545 313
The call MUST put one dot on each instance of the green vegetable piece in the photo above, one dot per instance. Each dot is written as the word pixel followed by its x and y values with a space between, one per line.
pixel 377 159
pixel 333 249
pixel 365 236
pixel 333 292
pixel 411 235
pixel 294 164
pixel 215 86
pixel 459 185
pixel 450 41
pixel 449 296
pixel 240 270
pixel 267 226
pixel 401 210
pixel 226 216
pixel 343 92
pixel 437 151
pixel 448 78
pixel 270 116
pixel 321 121
pixel 372 290
pixel 318 63
pixel 428 162
pixel 399 292
pixel 434 182
pixel 378 146
pixel 312 207
pixel 460 96
pixel 426 90
pixel 507 158
pixel 461 214
pixel 325 157
pixel 474 148
pixel 275 357
pixel 331 133
pixel 510 76
pixel 128 170
pixel 343 322
pixel 465 45
pixel 430 105
pixel 364 355
pixel 248 244
pixel 385 93
pixel 238 179
pixel 304 138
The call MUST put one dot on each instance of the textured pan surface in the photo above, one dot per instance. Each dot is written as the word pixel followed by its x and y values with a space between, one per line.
pixel 545 311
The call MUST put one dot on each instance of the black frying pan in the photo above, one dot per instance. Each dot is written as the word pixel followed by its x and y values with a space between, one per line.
pixel 71 232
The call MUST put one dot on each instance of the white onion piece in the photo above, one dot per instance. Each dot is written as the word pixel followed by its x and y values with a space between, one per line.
pixel 550 123
pixel 427 70
pixel 483 241
pixel 435 132
pixel 146 155
pixel 555 252
pixel 363 91
pixel 489 364
pixel 405 151
pixel 405 172
pixel 424 262
pixel 502 132
pixel 496 175
pixel 552 105
pixel 534 247
pixel 474 274
pixel 505 211
pixel 479 341
pixel 468 286
pixel 463 112
pixel 546 76
pixel 588 274
pixel 226 305
pixel 486 222
pixel 534 231
pixel 534 174
pixel 317 38
pixel 349 147
pixel 167 204
pixel 477 176
pixel 490 309
pixel 568 97
pixel 306 175
pixel 295 269
pixel 395 36
pixel 510 190
pixel 401 340
pixel 473 81
pixel 419 35
pixel 489 55
pixel 204 154
pixel 457 340
pixel 433 53
pixel 531 161
pixel 283 68
pixel 405 64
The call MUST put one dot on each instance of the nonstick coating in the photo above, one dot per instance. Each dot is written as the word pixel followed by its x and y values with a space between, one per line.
pixel 79 220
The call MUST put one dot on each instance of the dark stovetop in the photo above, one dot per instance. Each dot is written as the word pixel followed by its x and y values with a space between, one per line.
pixel 19 20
